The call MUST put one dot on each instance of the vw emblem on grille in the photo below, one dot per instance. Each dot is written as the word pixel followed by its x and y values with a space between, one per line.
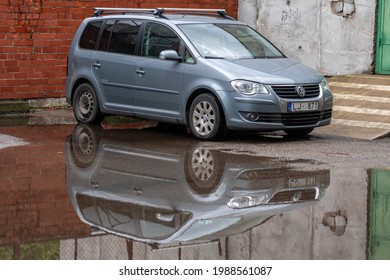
pixel 300 91
pixel 297 196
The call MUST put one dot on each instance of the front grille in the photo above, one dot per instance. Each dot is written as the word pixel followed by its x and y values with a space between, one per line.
pixel 311 90
pixel 295 119
pixel 294 195
pixel 308 118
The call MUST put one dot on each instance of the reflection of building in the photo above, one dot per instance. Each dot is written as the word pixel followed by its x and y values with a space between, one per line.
pixel 337 221
pixel 346 200
pixel 379 215
pixel 35 211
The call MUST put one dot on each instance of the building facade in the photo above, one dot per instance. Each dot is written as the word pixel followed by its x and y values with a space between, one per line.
pixel 334 37
pixel 35 36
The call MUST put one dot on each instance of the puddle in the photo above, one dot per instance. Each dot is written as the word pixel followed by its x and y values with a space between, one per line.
pixel 87 192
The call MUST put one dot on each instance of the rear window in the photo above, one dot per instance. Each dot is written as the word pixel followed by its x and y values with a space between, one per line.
pixel 90 34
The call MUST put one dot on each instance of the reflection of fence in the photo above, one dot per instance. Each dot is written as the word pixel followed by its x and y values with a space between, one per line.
pixel 34 203
pixel 107 247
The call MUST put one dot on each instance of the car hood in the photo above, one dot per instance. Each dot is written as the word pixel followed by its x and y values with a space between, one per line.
pixel 267 71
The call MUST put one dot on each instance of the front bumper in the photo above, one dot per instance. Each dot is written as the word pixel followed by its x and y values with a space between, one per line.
pixel 270 112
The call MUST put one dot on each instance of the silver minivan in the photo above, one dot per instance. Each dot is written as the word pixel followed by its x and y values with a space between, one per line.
pixel 195 67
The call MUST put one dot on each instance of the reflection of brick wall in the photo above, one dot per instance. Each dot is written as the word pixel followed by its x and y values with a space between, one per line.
pixel 35 36
pixel 34 203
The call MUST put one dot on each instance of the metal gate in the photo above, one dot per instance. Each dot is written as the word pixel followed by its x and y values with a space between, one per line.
pixel 382 65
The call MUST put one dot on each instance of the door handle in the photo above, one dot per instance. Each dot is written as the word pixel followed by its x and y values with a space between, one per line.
pixel 140 72
pixel 97 65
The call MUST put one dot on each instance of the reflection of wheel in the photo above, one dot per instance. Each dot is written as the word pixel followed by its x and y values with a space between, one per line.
pixel 202 164
pixel 86 105
pixel 203 170
pixel 84 145
pixel 206 119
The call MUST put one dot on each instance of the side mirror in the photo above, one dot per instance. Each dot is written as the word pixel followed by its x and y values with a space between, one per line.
pixel 170 55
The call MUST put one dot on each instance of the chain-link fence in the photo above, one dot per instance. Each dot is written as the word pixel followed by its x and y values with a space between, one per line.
pixel 106 247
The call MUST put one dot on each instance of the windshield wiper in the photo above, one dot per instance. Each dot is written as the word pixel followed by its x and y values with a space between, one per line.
pixel 214 57
pixel 268 57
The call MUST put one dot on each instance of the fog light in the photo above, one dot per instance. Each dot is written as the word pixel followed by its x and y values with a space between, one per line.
pixel 253 116
pixel 245 201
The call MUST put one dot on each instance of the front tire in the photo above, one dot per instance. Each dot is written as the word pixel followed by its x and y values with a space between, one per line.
pixel 206 118
pixel 86 105
pixel 203 170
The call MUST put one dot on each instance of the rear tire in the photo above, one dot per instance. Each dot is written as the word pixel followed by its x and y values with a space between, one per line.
pixel 84 144
pixel 206 118
pixel 86 105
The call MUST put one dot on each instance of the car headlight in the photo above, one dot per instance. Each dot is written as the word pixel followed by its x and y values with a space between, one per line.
pixel 325 86
pixel 246 201
pixel 249 88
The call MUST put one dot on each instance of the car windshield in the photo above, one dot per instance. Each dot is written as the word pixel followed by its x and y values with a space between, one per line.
pixel 229 41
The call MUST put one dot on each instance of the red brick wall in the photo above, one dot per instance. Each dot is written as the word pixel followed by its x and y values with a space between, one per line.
pixel 35 35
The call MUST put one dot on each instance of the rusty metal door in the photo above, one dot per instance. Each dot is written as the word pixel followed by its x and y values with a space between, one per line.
pixel 382 65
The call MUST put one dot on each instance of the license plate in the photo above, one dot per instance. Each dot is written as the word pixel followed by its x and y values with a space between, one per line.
pixel 302 106
pixel 300 182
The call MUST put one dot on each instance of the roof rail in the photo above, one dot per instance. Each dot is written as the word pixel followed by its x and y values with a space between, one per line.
pixel 100 11
pixel 159 11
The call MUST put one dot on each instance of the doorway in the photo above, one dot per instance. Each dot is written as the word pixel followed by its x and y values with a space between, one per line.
pixel 382 64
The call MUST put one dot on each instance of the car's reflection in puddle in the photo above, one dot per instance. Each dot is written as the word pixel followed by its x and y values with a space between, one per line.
pixel 185 202
pixel 168 193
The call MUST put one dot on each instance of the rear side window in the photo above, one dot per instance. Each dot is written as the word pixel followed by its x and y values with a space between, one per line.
pixel 106 35
pixel 123 37
pixel 158 38
pixel 90 34
pixel 120 36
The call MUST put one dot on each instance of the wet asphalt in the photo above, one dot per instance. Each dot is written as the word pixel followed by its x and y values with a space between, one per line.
pixel 140 191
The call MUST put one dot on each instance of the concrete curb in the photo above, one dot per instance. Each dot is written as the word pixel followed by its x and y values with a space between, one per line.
pixel 12 106
pixel 25 106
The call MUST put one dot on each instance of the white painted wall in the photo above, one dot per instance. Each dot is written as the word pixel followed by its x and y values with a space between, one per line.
pixel 334 37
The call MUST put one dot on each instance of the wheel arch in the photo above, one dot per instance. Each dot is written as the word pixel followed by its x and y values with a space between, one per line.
pixel 195 94
pixel 79 82
pixel 92 111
